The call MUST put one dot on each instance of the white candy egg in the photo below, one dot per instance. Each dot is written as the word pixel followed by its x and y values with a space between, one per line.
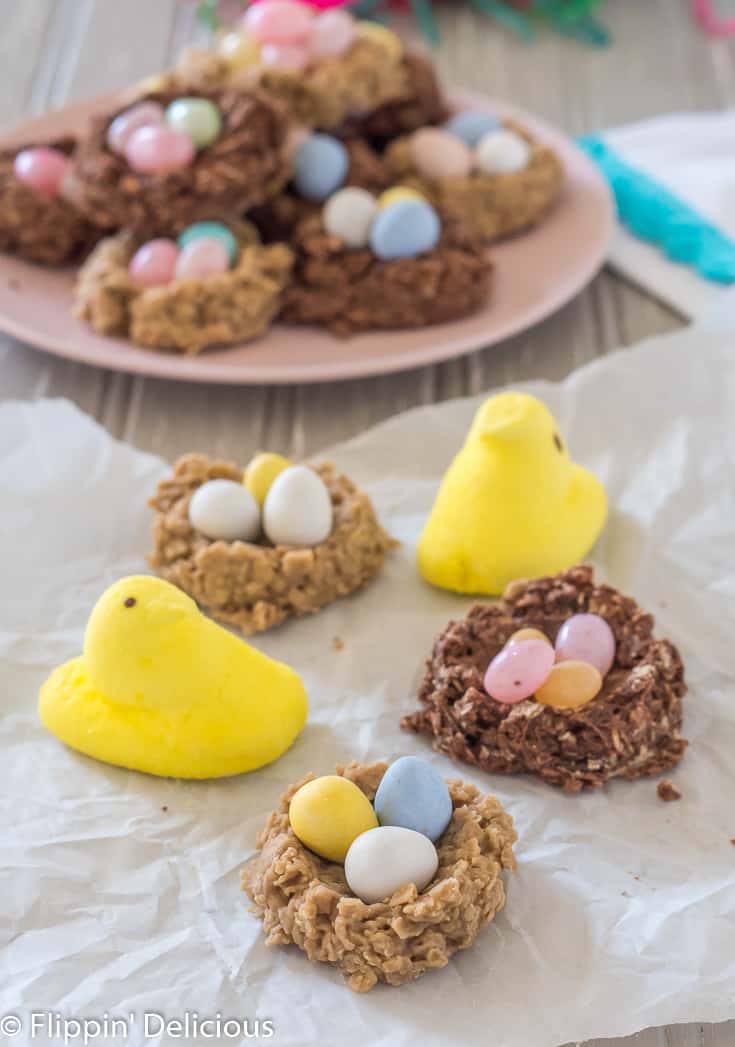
pixel 225 509
pixel 382 860
pixel 349 214
pixel 502 152
pixel 297 509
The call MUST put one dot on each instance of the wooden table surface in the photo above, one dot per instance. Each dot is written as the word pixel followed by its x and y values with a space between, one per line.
pixel 55 50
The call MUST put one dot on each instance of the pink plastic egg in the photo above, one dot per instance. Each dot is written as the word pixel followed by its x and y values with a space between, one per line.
pixel 285 56
pixel 145 114
pixel 333 33
pixel 519 670
pixel 159 150
pixel 42 169
pixel 437 154
pixel 202 258
pixel 278 22
pixel 154 264
pixel 586 638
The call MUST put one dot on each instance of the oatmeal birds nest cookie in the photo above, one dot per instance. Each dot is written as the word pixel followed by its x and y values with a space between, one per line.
pixel 185 315
pixel 255 585
pixel 630 730
pixel 304 900
pixel 245 164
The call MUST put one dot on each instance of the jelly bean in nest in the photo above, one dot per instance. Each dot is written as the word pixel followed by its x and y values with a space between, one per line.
pixel 42 169
pixel 586 638
pixel 438 154
pixel 262 471
pixel 212 231
pixel 198 118
pixel 154 264
pixel 381 861
pixel 224 510
pixel 321 164
pixel 159 150
pixel 570 685
pixel 124 126
pixel 472 125
pixel 502 152
pixel 529 634
pixel 405 230
pixel 398 192
pixel 519 670
pixel 333 33
pixel 294 57
pixel 201 259
pixel 328 814
pixel 414 795
pixel 279 22
pixel 238 51
pixel 349 214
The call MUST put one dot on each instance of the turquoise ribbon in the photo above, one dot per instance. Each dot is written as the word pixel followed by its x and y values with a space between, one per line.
pixel 654 214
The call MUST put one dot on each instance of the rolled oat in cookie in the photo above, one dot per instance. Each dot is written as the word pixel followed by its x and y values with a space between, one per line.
pixel 630 730
pixel 420 104
pixel 304 900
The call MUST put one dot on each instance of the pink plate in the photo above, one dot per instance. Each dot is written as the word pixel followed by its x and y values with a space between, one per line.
pixel 535 275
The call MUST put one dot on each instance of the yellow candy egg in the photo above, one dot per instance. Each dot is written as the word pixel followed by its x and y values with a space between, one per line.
pixel 528 634
pixel 386 39
pixel 398 192
pixel 328 813
pixel 570 685
pixel 238 51
pixel 262 471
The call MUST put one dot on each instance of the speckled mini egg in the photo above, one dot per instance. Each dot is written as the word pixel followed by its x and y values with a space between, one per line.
pixel 223 509
pixel 321 164
pixel 381 861
pixel 328 814
pixel 404 230
pixel 438 154
pixel 298 508
pixel 349 215
pixel 414 795
pixel 471 125
pixel 502 152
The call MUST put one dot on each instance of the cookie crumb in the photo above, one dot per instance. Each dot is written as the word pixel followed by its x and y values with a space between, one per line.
pixel 164 808
pixel 667 790
pixel 338 643
pixel 732 841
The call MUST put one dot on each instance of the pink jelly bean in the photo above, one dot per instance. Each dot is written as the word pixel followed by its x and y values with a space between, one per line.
pixel 159 150
pixel 586 638
pixel 333 33
pixel 202 258
pixel 154 264
pixel 285 56
pixel 278 22
pixel 42 169
pixel 518 670
pixel 145 114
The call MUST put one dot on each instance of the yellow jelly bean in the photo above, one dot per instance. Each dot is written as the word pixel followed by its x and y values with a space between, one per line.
pixel 386 39
pixel 398 192
pixel 570 685
pixel 328 813
pixel 528 634
pixel 238 51
pixel 262 471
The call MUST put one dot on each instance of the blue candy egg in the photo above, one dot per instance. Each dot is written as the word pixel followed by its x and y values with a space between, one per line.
pixel 321 164
pixel 212 231
pixel 405 229
pixel 415 796
pixel 471 126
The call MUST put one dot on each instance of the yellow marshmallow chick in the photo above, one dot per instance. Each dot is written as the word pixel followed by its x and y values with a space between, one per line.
pixel 512 504
pixel 162 689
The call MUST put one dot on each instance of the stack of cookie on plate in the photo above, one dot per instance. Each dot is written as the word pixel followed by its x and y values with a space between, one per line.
pixel 306 169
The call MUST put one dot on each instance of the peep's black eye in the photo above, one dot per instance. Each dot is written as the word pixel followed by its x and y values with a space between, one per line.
pixel 130 602
pixel 558 444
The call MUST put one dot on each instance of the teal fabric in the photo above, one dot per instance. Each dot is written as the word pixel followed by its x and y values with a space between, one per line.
pixel 654 214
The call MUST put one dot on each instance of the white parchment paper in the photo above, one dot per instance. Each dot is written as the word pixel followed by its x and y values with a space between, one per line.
pixel 119 892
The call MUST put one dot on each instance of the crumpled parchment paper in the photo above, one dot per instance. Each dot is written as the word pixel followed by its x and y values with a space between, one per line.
pixel 120 892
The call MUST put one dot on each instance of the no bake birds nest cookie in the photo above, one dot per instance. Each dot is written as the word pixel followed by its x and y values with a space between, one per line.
pixel 630 730
pixel 304 900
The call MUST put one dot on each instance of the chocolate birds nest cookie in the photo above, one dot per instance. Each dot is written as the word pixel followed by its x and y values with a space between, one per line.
pixel 184 316
pixel 256 585
pixel 304 900
pixel 245 165
pixel 630 730
pixel 49 230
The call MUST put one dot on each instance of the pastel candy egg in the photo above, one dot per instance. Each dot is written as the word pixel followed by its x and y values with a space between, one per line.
pixel 349 215
pixel 332 33
pixel 278 22
pixel 42 169
pixel 414 795
pixel 472 125
pixel 262 471
pixel 321 164
pixel 569 685
pixel 211 231
pixel 297 509
pixel 406 229
pixel 398 192
pixel 201 259
pixel 438 154
pixel 294 57
pixel 154 264
pixel 196 117
pixel 383 860
pixel 223 509
pixel 145 114
pixel 502 152
pixel 528 634
pixel 159 150
pixel 383 38
pixel 586 638
pixel 519 670
pixel 238 51
pixel 328 814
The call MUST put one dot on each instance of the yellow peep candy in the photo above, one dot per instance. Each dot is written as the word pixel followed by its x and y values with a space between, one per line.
pixel 262 471
pixel 328 813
